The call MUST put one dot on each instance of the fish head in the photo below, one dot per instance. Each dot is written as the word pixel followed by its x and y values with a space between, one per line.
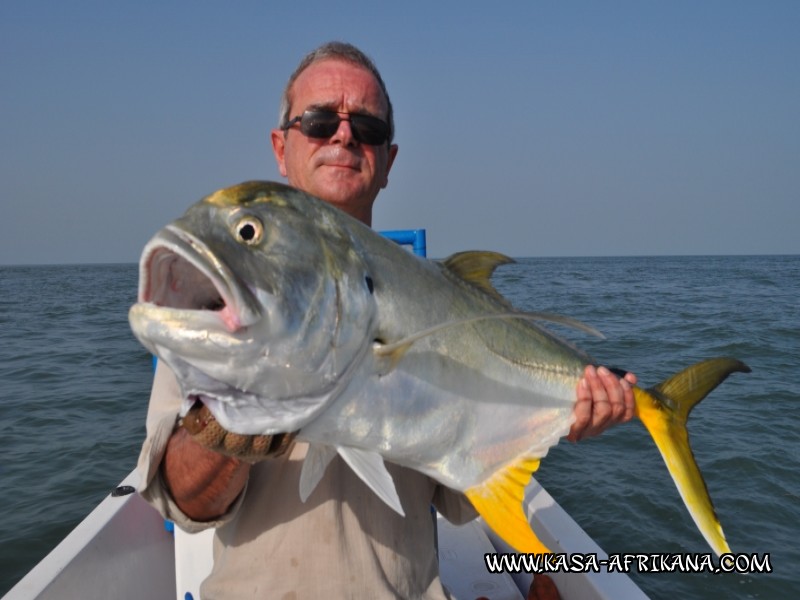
pixel 259 302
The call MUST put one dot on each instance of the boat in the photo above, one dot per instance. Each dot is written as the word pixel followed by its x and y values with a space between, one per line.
pixel 124 548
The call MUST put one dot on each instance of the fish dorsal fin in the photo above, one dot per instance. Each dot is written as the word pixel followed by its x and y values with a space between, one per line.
pixel 499 502
pixel 371 470
pixel 316 461
pixel 477 267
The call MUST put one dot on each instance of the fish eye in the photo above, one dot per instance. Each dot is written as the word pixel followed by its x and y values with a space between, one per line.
pixel 249 230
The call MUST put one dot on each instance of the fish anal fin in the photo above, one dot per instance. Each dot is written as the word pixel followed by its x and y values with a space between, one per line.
pixel 314 465
pixel 499 501
pixel 371 470
pixel 477 267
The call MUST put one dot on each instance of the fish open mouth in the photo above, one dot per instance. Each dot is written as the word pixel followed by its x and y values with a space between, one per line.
pixel 190 302
pixel 178 271
pixel 174 282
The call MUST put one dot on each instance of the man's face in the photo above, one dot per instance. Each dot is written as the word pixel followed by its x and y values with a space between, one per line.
pixel 338 169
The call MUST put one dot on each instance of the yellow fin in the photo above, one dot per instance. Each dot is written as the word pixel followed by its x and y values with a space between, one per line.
pixel 499 502
pixel 694 383
pixel 477 267
pixel 664 410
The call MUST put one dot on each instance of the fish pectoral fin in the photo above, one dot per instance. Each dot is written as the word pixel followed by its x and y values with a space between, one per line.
pixel 316 461
pixel 664 410
pixel 371 470
pixel 499 501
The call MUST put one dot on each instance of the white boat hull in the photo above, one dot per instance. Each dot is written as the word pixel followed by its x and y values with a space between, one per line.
pixel 123 550
pixel 120 550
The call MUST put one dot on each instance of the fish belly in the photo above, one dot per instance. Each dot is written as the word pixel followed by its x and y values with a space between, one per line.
pixel 458 431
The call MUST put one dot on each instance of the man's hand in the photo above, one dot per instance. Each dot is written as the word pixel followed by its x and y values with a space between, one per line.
pixel 206 431
pixel 203 483
pixel 603 400
pixel 205 467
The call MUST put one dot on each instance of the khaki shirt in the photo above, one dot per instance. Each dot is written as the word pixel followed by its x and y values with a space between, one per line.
pixel 343 542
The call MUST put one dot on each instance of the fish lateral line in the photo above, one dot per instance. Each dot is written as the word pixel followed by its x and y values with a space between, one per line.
pixel 397 349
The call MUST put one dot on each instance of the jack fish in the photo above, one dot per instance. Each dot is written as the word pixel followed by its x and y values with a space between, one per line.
pixel 283 315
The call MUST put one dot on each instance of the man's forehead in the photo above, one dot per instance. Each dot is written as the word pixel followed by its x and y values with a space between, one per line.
pixel 330 82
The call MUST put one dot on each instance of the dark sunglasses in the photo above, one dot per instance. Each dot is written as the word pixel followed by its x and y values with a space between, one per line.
pixel 324 123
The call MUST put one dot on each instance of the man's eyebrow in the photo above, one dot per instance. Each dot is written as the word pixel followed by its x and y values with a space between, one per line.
pixel 334 107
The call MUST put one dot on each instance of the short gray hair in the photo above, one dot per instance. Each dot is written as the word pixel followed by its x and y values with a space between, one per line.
pixel 337 51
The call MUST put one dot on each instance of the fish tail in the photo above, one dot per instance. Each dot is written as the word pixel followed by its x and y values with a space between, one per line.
pixel 499 501
pixel 664 410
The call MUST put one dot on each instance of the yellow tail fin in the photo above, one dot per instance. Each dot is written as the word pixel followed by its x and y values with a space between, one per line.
pixel 499 502
pixel 664 410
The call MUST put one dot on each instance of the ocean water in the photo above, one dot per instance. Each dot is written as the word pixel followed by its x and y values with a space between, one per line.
pixel 75 384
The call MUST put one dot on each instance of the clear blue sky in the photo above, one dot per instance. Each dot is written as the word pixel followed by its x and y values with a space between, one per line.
pixel 530 128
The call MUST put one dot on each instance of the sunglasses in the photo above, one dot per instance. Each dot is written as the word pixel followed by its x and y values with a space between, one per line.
pixel 324 123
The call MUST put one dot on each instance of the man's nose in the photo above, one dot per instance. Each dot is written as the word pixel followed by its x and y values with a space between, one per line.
pixel 344 134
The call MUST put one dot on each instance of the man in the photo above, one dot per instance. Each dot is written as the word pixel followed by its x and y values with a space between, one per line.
pixel 335 142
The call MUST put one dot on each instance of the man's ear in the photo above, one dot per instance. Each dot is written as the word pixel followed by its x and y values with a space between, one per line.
pixel 278 137
pixel 390 161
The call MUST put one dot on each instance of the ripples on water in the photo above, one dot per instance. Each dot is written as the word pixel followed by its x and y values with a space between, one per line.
pixel 660 315
pixel 75 385
pixel 74 389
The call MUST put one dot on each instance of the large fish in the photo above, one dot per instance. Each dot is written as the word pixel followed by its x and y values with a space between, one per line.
pixel 281 314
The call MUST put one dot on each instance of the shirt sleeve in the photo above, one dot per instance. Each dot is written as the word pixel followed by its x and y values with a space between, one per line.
pixel 162 415
pixel 453 506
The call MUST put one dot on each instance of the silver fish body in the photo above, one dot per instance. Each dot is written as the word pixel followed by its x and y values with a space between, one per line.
pixel 282 314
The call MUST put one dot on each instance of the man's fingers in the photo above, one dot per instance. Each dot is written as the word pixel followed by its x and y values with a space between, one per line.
pixel 615 393
pixel 582 411
pixel 603 400
pixel 205 430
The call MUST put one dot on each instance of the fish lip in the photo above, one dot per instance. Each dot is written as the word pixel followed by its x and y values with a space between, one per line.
pixel 174 244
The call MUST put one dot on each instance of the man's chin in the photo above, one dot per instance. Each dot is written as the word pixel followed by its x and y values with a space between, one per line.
pixel 341 191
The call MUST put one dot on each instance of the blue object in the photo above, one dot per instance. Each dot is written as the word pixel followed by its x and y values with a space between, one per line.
pixel 409 237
